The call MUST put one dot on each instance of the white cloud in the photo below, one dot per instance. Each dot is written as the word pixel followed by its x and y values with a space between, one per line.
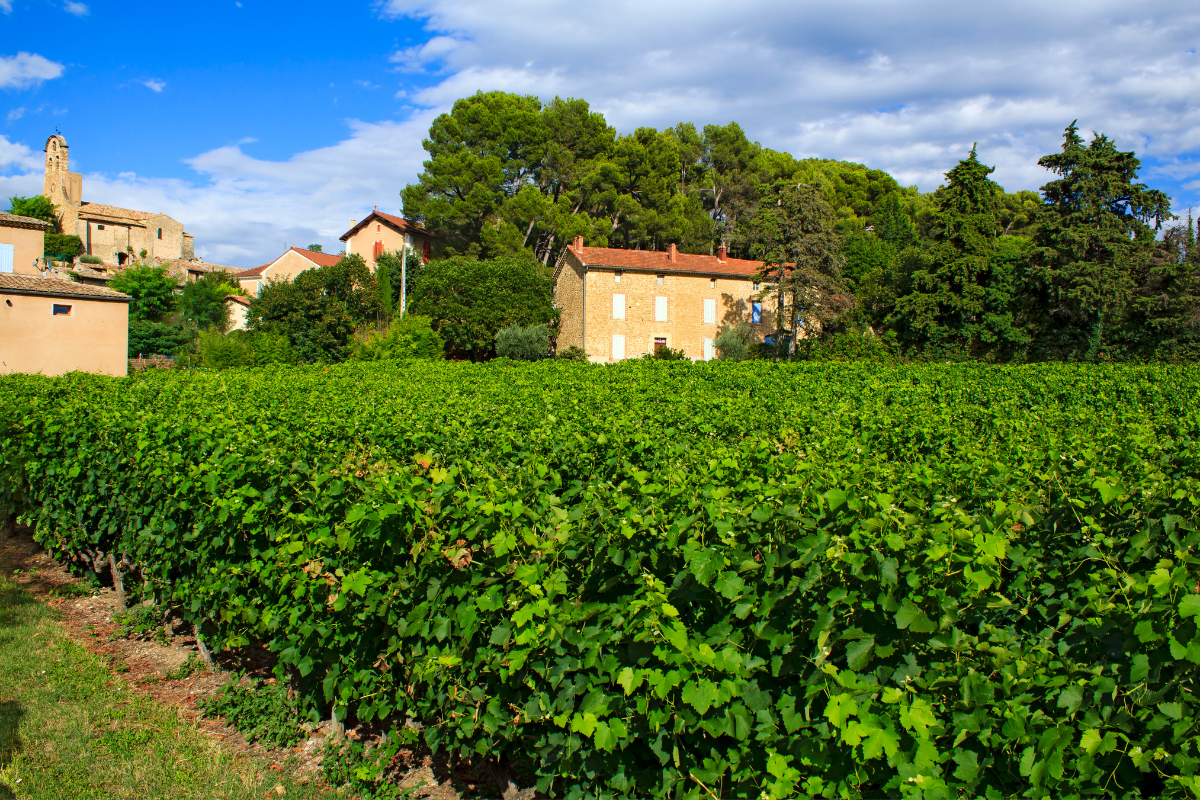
pixel 6 6
pixel 78 9
pixel 153 84
pixel 15 115
pixel 905 87
pixel 27 69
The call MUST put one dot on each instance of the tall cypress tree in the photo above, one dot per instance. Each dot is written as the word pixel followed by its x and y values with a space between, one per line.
pixel 1092 242
pixel 950 300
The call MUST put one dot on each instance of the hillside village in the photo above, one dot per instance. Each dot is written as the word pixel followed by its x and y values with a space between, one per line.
pixel 678 244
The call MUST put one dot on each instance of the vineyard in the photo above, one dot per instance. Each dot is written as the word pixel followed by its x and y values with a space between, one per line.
pixel 672 580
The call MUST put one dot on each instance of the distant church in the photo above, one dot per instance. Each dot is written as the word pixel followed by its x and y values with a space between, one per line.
pixel 117 235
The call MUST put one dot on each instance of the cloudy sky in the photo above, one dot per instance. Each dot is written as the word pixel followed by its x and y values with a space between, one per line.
pixel 262 124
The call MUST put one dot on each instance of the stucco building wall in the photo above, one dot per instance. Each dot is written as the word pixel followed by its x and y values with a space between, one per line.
pixel 27 238
pixel 386 233
pixel 93 336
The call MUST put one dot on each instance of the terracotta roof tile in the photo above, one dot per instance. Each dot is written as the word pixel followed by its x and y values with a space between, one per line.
pixel 398 222
pixel 239 299
pixel 659 261
pixel 15 221
pixel 320 259
pixel 104 210
pixel 56 287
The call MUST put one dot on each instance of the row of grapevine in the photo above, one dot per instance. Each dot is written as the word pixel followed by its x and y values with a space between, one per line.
pixel 665 580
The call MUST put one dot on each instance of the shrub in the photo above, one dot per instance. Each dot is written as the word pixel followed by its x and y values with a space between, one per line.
pixel 215 350
pixel 87 259
pixel 572 353
pixel 522 343
pixel 852 346
pixel 63 247
pixel 666 354
pixel 270 348
pixel 411 336
pixel 734 342
pixel 157 338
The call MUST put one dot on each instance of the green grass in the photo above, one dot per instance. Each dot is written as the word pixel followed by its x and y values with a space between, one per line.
pixel 64 733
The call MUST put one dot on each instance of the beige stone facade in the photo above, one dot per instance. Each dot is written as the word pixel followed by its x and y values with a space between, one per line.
pixel 54 326
pixel 22 240
pixel 117 235
pixel 619 304
pixel 285 268
pixel 384 233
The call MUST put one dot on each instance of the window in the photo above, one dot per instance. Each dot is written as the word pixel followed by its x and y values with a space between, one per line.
pixel 7 254
pixel 61 310
pixel 660 309
pixel 710 311
pixel 619 307
pixel 756 312
pixel 618 347
pixel 659 341
pixel 160 233
pixel 712 283
pixel 757 286
pixel 378 228
pixel 617 276
pixel 659 280
pixel 99 227
pixel 710 352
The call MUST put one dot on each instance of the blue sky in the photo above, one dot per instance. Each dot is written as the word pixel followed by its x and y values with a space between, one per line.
pixel 261 124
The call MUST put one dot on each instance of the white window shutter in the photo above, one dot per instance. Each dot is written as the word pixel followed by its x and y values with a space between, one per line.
pixel 710 311
pixel 6 257
pixel 660 309
pixel 709 351
pixel 618 346
pixel 618 306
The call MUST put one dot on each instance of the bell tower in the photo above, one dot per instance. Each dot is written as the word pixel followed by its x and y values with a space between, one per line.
pixel 63 187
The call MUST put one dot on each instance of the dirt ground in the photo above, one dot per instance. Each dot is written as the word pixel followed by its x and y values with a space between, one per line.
pixel 144 666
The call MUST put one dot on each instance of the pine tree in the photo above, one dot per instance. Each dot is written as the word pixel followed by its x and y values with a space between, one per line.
pixel 892 224
pixel 953 297
pixel 1093 241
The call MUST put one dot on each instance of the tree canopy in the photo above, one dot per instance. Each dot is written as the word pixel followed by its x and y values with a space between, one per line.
pixel 470 301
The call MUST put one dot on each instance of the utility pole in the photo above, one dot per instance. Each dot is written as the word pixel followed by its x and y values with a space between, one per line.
pixel 404 277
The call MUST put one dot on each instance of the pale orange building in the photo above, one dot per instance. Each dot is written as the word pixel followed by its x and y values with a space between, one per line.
pixel 619 304
pixel 22 240
pixel 55 325
pixel 286 267
pixel 384 233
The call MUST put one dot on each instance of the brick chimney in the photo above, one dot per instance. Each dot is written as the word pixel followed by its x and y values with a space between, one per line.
pixel 671 252
pixel 578 243
pixel 721 253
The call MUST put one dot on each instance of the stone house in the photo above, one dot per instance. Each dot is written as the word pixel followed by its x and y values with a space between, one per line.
pixel 239 310
pixel 384 233
pixel 619 304
pixel 286 267
pixel 21 244
pixel 55 325
pixel 117 235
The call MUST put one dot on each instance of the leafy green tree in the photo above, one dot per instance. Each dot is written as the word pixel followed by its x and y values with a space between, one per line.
pixel 412 336
pixel 383 283
pixel 1166 303
pixel 470 301
pixel 892 224
pixel 319 311
pixel 523 342
pixel 960 296
pixel 794 233
pixel 734 342
pixel 215 350
pixel 38 207
pixel 152 290
pixel 1092 241
pixel 62 246
pixel 148 338
pixel 202 301
pixel 316 248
